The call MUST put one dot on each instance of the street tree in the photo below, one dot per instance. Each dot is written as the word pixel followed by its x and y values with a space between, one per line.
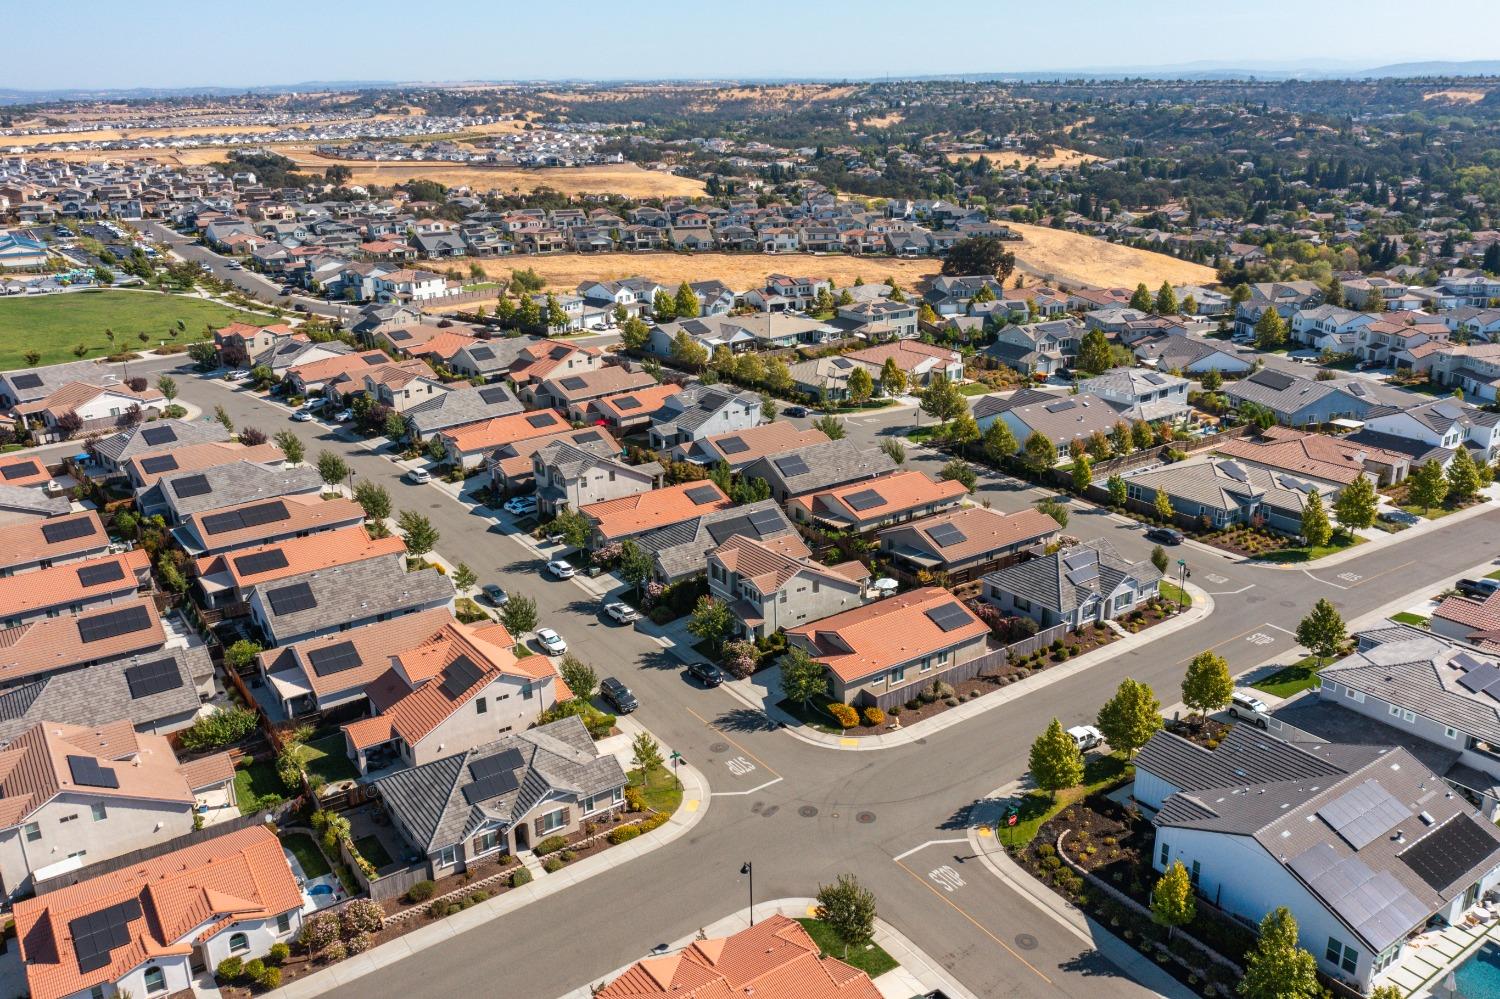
pixel 420 536
pixel 573 526
pixel 1094 355
pixel 1207 685
pixel 960 471
pixel 831 426
pixel 686 304
pixel 332 468
pixel 167 386
pixel 1315 527
pixel 1083 474
pixel 579 676
pixel 1040 454
pixel 964 429
pixel 1130 717
pixel 802 677
pixel 635 564
pixel 645 753
pixel 464 578
pixel 1055 760
pixel 1355 507
pixel 1463 476
pixel 892 378
pixel 1278 968
pixel 1173 903
pixel 1270 330
pixel 848 909
pixel 712 621
pixel 941 399
pixel 519 615
pixel 373 499
pixel 894 450
pixel 1322 632
pixel 1163 505
pixel 861 386
pixel 1055 509
pixel 1428 486
pixel 998 442
pixel 1119 492
pixel 1159 559
pixel 291 447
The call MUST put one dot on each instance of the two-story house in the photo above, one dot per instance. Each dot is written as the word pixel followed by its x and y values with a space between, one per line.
pixel 572 475
pixel 700 411
pixel 772 584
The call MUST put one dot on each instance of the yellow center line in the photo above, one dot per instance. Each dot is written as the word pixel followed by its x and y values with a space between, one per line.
pixel 723 735
pixel 977 924
pixel 1247 631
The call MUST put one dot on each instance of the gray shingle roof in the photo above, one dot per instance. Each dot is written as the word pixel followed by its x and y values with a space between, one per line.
pixel 1218 483
pixel 681 549
pixel 695 405
pixel 1419 673
pixel 359 591
pixel 30 500
pixel 830 464
pixel 455 408
pixel 100 694
pixel 129 443
pixel 236 483
pixel 1050 582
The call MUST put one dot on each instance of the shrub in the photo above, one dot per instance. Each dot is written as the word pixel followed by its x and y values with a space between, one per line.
pixel 420 892
pixel 229 969
pixel 552 865
pixel 913 704
pixel 895 710
pixel 844 714
pixel 623 833
pixel 254 968
pixel 362 915
pixel 567 856
pixel 319 931
pixel 928 696
pixel 440 908
pixel 952 702
pixel 278 954
pixel 874 716
pixel 549 845
pixel 635 799
pixel 335 951
pixel 218 729
pixel 480 896
pixel 269 978
pixel 357 944
pixel 520 876
pixel 654 822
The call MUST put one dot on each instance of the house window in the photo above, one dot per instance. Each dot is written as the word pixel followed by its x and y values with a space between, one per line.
pixel 898 675
pixel 1450 732
pixel 1193 874
pixel 553 821
pixel 1342 955
pixel 486 841
pixel 1395 711
pixel 156 980
pixel 97 992
pixel 1021 603
pixel 448 856
pixel 1166 850
pixel 480 706
pixel 283 923
pixel 526 692
pixel 67 818
pixel 238 942
pixel 100 813
pixel 617 796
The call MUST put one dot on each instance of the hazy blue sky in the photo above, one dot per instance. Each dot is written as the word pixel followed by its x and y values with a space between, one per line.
pixel 184 43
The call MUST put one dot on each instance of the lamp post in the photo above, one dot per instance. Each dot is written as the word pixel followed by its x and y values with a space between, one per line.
pixel 747 870
pixel 1182 575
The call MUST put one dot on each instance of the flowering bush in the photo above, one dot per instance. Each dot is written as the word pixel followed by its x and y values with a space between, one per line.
pixel 357 944
pixel 874 716
pixel 361 916
pixel 654 590
pixel 318 932
pixel 844 714
pixel 607 555
pixel 740 659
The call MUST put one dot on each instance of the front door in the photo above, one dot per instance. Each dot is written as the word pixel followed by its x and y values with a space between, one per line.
pixel 523 837
pixel 1471 895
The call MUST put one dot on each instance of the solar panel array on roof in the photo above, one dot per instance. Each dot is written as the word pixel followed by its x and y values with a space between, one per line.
pixel 159 463
pixel 98 933
pixel 842 363
pixel 948 617
pixel 291 599
pixel 334 659
pixel 540 420
pixel 20 470
pixel 491 787
pixel 266 561
pixel 1479 677
pixel 1465 661
pixel 105 572
pixel 494 395
pixel 1363 814
pixel 1448 852
pixel 790 466
pixel 865 499
pixel 1235 472
pixel 191 485
pixel 592 437
pixel 625 402
pixel 1154 378
pixel 573 383
pixel 946 535
pixel 460 675
pixel 1275 380
pixel 482 353
pixel 157 436
pixel 703 494
pixel 113 624
pixel 766 521
pixel 250 516
pixel 86 771
pixel 67 530
pixel 153 678
pixel 1061 406
pixel 488 766
pixel 733 445
pixel 1377 906
pixel 26 381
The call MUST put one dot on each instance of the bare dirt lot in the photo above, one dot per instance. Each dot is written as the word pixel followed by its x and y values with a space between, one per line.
pixel 1073 258
pixel 1456 96
pixel 614 178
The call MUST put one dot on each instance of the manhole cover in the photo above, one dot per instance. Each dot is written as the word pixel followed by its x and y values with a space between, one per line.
pixel 1288 603
pixel 807 811
pixel 1025 941
pixel 865 817
pixel 770 811
pixel 921 742
pixel 719 747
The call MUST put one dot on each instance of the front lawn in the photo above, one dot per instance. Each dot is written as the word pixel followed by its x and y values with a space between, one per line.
pixel 1307 553
pixel 1172 593
pixel 1407 617
pixel 975 388
pixel 661 790
pixel 1293 679
pixel 53 324
pixel 871 959
pixel 327 759
pixel 812 716
pixel 314 864
pixel 1493 575
pixel 1099 773
pixel 258 786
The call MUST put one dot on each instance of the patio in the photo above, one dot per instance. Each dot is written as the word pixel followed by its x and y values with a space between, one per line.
pixel 369 822
pixel 1428 957
pixel 217 805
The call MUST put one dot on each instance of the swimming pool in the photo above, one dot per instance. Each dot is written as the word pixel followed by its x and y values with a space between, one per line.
pixel 1479 976
pixel 320 890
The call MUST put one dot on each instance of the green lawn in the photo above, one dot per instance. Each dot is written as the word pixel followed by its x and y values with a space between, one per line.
pixel 1308 554
pixel 662 792
pixel 53 324
pixel 926 433
pixel 369 847
pixel 1407 617
pixel 976 388
pixel 811 716
pixel 1173 593
pixel 1436 513
pixel 326 758
pixel 871 959
pixel 314 864
pixel 258 786
pixel 1292 679
pixel 1493 575
pixel 1099 772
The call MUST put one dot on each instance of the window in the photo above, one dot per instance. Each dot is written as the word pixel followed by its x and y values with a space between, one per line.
pixel 1193 874
pixel 617 795
pixel 283 923
pixel 1166 851
pixel 156 980
pixel 486 841
pixel 553 821
pixel 33 832
pixel 1021 603
pixel 67 818
pixel 1450 732
pixel 238 942
pixel 448 856
pixel 526 692
pixel 480 707
pixel 97 992
pixel 100 813
pixel 1395 710
pixel 898 674
pixel 1342 955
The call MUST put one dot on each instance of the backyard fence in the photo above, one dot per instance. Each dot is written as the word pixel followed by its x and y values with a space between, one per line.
pixel 988 662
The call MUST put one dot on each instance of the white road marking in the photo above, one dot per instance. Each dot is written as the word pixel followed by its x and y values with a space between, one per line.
pixel 734 794
pixel 1230 593
pixel 1260 638
pixel 946 878
pixel 1284 631
pixel 1217 580
pixel 739 766
pixel 1328 582
pixel 931 842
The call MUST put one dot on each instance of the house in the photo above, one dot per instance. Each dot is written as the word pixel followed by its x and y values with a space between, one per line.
pixel 1037 348
pixel 1217 491
pixel 225 579
pixel 23 472
pixel 504 797
pixel 410 286
pixel 77 795
pixel 186 493
pixel 631 410
pixel 469 445
pixel 1444 423
pixel 143 928
pixel 309 378
pixel 651 509
pixel 1061 420
pixel 759 331
pixel 462 687
pixel 145 474
pixel 1470 620
pixel 919 361
pixel 263 521
pixel 320 601
pixel 96 407
pixel 30 384
pixel 634 294
pixel 965 543
pixel 462 406
pixel 31 545
pixel 571 394
pixel 700 411
pixel 539 361
pixel 510 465
pixel 885 653
pixel 1300 402
pixel 1141 394
pixel 1193 355
pixel 1286 297
pixel 239 342
pixel 1474 368
pixel 1359 844
pixel 861 507
pixel 111 453
pixel 1331 460
pixel 771 584
pixel 679 551
pixel 579 475
pixel 739 448
pixel 72 587
pixel 1082 584
pixel 775 957
pixel 490 360
pixel 402 385
pixel 818 467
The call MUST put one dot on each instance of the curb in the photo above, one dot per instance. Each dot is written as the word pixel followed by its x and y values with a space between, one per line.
pixel 1390 540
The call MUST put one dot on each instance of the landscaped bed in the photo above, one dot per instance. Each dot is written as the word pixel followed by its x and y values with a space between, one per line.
pixel 1263 543
pixel 871 958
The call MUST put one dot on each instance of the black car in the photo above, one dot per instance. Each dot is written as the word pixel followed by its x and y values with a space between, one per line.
pixel 794 411
pixel 618 695
pixel 1478 589
pixel 706 673
pixel 1164 535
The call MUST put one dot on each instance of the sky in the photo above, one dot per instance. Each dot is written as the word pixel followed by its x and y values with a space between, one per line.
pixel 187 43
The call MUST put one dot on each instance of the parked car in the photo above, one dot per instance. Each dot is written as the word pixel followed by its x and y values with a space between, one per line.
pixel 618 695
pixel 344 415
pixel 1246 706
pixel 706 673
pixel 622 612
pixel 561 569
pixel 794 411
pixel 1164 535
pixel 551 641
pixel 520 506
pixel 495 594
pixel 1479 589
pixel 419 476
pixel 302 416
pixel 1086 737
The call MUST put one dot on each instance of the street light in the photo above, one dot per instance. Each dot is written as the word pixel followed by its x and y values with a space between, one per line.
pixel 747 870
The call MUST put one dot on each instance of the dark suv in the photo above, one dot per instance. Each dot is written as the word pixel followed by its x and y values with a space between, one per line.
pixel 618 695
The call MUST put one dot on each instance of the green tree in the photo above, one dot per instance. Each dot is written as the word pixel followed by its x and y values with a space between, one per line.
pixel 1322 632
pixel 712 621
pixel 373 499
pixel 1207 685
pixel 1141 435
pixel 1121 440
pixel 778 376
pixel 464 578
pixel 1315 527
pixel 975 255
pixel 1083 474
pixel 861 386
pixel 1159 559
pixel 395 427
pixel 848 909
pixel 645 754
pixel 332 468
pixel 803 678
pixel 241 654
pixel 1172 901
pixel 894 450
pixel 519 615
pixel 1094 355
pixel 1140 299
pixel 579 676
pixel 664 306
pixel 556 318
pixel 831 426
pixel 1118 491
pixel 1058 511
pixel 573 526
pixel 686 304
pixel 1463 475
pixel 634 333
pixel 34 357
pixel 1212 380
pixel 636 565
pixel 421 537
pixel 1163 506
pixel 892 378
pixel 1270 330
pixel 1429 486
pixel 167 386
pixel 1355 507
pixel 1040 453
pixel 1130 717
pixel 964 429
pixel 767 407
pixel 998 442
pixel 687 352
pixel 291 446
pixel 960 471
pixel 941 399
pixel 1055 760
pixel 1166 300
pixel 1278 968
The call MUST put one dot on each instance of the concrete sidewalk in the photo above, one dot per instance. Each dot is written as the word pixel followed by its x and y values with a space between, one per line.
pixel 917 975
pixel 762 692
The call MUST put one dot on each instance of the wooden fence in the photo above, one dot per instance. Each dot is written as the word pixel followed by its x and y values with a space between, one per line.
pixel 989 662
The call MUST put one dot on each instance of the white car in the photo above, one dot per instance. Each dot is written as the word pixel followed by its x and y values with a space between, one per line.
pixel 551 641
pixel 521 505
pixel 622 612
pixel 1086 737
pixel 419 475
pixel 1243 704
pixel 302 416
pixel 561 569
pixel 344 415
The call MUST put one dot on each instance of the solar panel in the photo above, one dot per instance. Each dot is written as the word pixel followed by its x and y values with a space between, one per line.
pixel 573 383
pixel 491 787
pixel 1060 407
pixel 291 599
pixel 949 617
pixel 250 516
pixel 946 535
pixel 252 565
pixel 87 771
pixel 1464 661
pixel 626 402
pixel 27 381
pixel 157 464
pixel 1448 852
pixel 482 353
pixel 334 659
pixel 191 485
pixel 1234 471
pixel 703 494
pixel 592 437
pixel 766 521
pixel 113 624
pixel 20 470
pixel 791 466
pixel 157 436
pixel 494 396
pixel 733 445
pixel 460 675
pixel 1362 815
pixel 153 678
pixel 540 420
pixel 1479 677
pixel 105 572
pixel 842 363
pixel 505 762
pixel 98 933
pixel 1276 380
pixel 67 530
pixel 865 499
pixel 1377 906
pixel 1083 575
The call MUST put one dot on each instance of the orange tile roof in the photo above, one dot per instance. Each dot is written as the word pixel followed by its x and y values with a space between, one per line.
pixel 517 460
pixel 309 512
pixel 60 584
pixel 866 640
pixel 984 530
pixel 614 380
pixel 210 454
pixel 241 874
pixel 342 546
pixel 503 430
pixel 540 360
pixel 331 367
pixel 768 438
pixel 74 394
pixel 399 373
pixel 52 643
pixel 36 473
pixel 445 345
pixel 375 644
pixel 898 491
pixel 908 353
pixel 207 771
pixel 1319 455
pixel 34 766
pixel 631 515
pixel 21 544
pixel 647 401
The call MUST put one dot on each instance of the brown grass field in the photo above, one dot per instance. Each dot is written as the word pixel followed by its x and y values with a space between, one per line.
pixel 612 178
pixel 176 131
pixel 1064 159
pixel 1456 96
pixel 1073 258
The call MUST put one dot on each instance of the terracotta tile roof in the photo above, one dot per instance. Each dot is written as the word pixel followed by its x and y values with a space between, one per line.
pixel 26 471
pixel 21 544
pixel 640 403
pixel 445 345
pixel 197 457
pixel 49 644
pixel 630 515
pixel 896 493
pixel 770 564
pixel 1481 615
pixel 207 771
pixel 774 959
pixel 331 367
pixel 399 373
pixel 503 430
pixel 769 438
pixel 62 584
pixel 74 394
pixel 908 354
pixel 241 874
pixel 374 643
pixel 307 512
pixel 984 531
pixel 875 637
pixel 515 457
pixel 540 360
pixel 343 546
pixel 612 380
pixel 1319 455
